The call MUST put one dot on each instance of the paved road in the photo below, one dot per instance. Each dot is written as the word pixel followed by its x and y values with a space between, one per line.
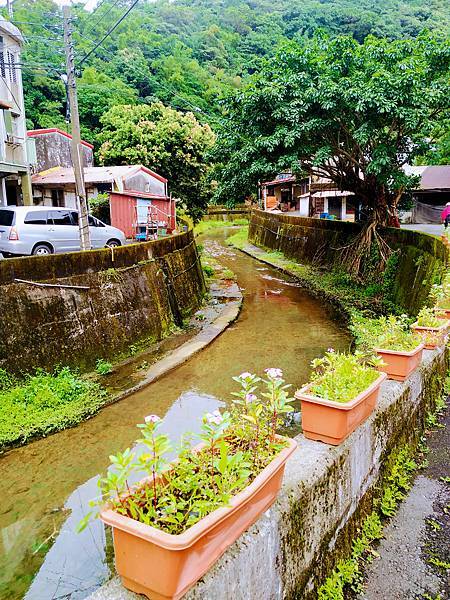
pixel 431 228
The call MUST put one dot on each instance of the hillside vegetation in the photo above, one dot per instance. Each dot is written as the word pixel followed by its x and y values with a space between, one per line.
pixel 188 53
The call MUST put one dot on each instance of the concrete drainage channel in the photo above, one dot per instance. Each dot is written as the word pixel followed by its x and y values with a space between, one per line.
pixel 327 493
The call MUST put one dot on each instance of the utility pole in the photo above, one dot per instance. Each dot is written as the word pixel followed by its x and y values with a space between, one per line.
pixel 9 4
pixel 77 160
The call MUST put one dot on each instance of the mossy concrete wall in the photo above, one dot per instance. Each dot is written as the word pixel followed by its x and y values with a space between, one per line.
pixel 421 258
pixel 135 293
pixel 227 214
pixel 327 493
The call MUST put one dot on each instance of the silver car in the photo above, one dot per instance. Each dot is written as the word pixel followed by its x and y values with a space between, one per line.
pixel 41 230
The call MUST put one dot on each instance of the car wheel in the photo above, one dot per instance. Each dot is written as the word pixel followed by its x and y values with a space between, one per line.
pixel 42 250
pixel 113 243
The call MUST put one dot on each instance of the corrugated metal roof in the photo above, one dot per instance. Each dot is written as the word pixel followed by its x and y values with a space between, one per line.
pixel 61 175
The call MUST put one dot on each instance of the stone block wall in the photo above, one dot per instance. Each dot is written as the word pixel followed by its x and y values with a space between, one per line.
pixel 421 258
pixel 133 293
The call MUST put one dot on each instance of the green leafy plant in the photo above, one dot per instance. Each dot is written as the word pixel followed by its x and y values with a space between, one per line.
pixel 427 318
pixel 103 367
pixel 386 333
pixel 45 402
pixel 235 447
pixel 341 377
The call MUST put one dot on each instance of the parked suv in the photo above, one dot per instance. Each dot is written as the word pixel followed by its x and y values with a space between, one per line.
pixel 46 230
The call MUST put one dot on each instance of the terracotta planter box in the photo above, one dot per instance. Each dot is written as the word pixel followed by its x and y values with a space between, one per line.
pixel 432 336
pixel 398 365
pixel 162 566
pixel 332 422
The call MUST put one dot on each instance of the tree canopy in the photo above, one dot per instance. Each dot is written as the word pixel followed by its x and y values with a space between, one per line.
pixel 174 144
pixel 354 113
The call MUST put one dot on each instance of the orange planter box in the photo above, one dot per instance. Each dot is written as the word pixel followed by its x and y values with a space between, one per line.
pixel 332 422
pixel 432 336
pixel 398 365
pixel 162 566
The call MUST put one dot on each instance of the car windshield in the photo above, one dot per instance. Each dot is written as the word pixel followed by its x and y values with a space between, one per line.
pixel 6 218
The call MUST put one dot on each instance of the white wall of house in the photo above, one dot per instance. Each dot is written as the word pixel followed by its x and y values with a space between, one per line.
pixel 304 206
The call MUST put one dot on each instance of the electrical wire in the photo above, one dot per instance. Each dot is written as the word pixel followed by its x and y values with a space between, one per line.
pixel 100 19
pixel 108 33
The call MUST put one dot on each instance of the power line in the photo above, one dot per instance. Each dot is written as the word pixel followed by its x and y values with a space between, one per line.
pixel 108 33
pixel 109 9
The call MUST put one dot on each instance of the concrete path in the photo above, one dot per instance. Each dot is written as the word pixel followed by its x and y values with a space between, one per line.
pixel 418 535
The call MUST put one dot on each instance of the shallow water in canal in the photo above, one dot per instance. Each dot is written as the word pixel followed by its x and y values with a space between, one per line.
pixel 46 485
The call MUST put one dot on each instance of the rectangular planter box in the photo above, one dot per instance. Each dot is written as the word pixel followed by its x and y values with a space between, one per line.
pixel 332 422
pixel 432 336
pixel 162 566
pixel 398 365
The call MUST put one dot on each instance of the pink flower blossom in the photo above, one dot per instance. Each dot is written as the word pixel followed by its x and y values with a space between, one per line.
pixel 331 350
pixel 245 375
pixel 249 398
pixel 274 373
pixel 152 419
pixel 214 418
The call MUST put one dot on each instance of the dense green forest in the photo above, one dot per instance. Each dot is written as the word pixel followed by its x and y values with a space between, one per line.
pixel 191 56
pixel 187 53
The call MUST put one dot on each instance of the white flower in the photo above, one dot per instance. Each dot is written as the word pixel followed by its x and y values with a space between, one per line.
pixel 274 373
pixel 331 350
pixel 152 419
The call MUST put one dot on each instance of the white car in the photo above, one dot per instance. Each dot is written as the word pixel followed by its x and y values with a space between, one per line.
pixel 41 230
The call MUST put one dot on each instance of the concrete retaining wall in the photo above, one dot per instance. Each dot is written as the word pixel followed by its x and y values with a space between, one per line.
pixel 135 293
pixel 326 494
pixel 227 214
pixel 420 258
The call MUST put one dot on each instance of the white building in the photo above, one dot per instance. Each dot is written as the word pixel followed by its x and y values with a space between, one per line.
pixel 15 183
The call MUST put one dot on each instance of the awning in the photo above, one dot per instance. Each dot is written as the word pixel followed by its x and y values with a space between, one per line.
pixel 332 194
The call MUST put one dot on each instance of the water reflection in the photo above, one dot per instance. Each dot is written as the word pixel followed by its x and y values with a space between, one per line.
pixel 47 485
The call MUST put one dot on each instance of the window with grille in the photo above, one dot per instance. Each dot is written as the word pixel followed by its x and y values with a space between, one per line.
pixel 12 67
pixel 2 59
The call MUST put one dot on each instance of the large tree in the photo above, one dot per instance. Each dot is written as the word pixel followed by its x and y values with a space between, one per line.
pixel 354 113
pixel 172 143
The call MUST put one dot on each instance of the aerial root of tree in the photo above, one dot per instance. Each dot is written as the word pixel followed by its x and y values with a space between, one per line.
pixel 359 249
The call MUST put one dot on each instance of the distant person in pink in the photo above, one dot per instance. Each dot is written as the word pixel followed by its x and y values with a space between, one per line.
pixel 445 215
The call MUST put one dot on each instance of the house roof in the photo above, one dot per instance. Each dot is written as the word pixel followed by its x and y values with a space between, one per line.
pixel 38 132
pixel 280 181
pixel 436 178
pixel 332 194
pixel 11 29
pixel 62 175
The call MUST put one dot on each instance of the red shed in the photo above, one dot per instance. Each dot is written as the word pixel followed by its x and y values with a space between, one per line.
pixel 130 211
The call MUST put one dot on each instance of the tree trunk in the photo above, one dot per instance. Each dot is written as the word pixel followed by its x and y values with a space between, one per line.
pixel 359 250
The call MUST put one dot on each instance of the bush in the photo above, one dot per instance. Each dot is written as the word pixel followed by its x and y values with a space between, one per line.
pixel 44 403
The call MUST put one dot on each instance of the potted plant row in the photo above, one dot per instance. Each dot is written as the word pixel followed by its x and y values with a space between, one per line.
pixel 180 518
pixel 341 394
pixel 431 328
pixel 399 349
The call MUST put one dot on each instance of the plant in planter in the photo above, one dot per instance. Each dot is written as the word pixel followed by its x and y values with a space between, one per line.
pixel 440 297
pixel 177 521
pixel 390 337
pixel 342 393
pixel 431 328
